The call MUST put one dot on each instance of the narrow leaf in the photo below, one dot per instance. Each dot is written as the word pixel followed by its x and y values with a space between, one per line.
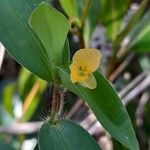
pixel 139 36
pixel 131 24
pixel 8 95
pixel 30 88
pixel 106 106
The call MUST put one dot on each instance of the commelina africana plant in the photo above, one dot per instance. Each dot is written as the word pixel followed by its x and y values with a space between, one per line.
pixel 84 63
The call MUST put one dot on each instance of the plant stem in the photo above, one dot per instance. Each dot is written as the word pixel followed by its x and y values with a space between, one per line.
pixel 85 12
pixel 81 38
pixel 55 103
pixel 83 18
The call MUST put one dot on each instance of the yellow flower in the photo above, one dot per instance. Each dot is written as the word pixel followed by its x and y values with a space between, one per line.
pixel 84 63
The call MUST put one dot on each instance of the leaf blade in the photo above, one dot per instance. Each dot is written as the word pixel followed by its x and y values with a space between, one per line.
pixel 65 135
pixel 66 53
pixel 49 30
pixel 70 7
pixel 140 40
pixel 112 20
pixel 19 39
pixel 132 22
pixel 100 102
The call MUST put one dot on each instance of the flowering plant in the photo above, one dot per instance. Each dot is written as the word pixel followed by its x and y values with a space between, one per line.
pixel 37 39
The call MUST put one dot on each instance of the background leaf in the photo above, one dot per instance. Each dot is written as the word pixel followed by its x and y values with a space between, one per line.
pixel 65 135
pixel 8 93
pixel 70 8
pixel 139 36
pixel 112 20
pixel 94 19
pixel 100 100
pixel 32 99
pixel 131 24
pixel 78 8
pixel 91 21
pixel 52 29
pixel 19 39
pixel 30 89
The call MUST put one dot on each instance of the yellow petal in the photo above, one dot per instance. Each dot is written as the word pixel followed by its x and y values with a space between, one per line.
pixel 90 83
pixel 88 57
pixel 74 75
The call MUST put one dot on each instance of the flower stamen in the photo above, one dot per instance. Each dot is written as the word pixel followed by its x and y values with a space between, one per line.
pixel 82 71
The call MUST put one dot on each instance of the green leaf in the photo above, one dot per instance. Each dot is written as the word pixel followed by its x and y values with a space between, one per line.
pixel 75 9
pixel 31 102
pixel 5 118
pixel 94 15
pixel 112 19
pixel 139 36
pixel 8 93
pixel 66 53
pixel 65 135
pixel 131 24
pixel 106 106
pixel 19 39
pixel 25 82
pixel 30 89
pixel 91 20
pixel 52 28
pixel 70 8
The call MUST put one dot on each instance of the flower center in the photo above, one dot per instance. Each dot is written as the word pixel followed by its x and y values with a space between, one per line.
pixel 82 71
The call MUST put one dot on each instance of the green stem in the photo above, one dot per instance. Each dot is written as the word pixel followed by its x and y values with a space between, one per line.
pixel 80 29
pixel 85 12
pixel 83 18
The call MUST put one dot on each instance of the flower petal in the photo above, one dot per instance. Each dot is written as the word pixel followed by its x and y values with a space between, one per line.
pixel 90 83
pixel 74 75
pixel 88 57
